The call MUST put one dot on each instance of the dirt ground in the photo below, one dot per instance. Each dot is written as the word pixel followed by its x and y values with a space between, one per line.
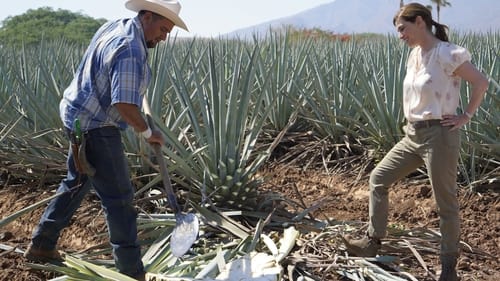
pixel 345 196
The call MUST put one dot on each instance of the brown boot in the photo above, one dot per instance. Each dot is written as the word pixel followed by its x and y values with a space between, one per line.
pixel 141 277
pixel 364 247
pixel 448 270
pixel 36 254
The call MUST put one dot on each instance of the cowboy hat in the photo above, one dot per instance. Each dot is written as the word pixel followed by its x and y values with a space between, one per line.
pixel 168 8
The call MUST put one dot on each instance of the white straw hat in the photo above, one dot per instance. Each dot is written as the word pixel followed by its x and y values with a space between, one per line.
pixel 168 8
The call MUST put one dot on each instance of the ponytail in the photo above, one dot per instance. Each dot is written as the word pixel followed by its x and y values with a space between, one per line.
pixel 441 31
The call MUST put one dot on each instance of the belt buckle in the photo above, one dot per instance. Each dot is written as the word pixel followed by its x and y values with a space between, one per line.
pixel 420 124
pixel 427 123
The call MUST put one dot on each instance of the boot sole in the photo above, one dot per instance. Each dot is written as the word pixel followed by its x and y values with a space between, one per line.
pixel 42 259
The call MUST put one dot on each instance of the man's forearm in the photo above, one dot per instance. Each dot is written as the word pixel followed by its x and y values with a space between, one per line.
pixel 132 115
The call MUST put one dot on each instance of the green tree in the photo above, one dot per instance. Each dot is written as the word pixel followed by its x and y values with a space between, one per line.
pixel 47 24
pixel 439 4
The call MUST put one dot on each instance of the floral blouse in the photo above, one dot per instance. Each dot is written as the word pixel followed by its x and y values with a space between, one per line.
pixel 430 88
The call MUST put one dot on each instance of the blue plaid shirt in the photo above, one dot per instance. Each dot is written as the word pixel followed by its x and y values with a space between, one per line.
pixel 113 70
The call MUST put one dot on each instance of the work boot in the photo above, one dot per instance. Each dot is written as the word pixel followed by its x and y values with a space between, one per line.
pixel 141 277
pixel 36 254
pixel 364 247
pixel 448 270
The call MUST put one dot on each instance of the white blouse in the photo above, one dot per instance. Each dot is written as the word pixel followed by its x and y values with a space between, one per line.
pixel 430 88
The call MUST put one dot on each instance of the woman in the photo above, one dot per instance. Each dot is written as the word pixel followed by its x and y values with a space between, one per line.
pixel 431 92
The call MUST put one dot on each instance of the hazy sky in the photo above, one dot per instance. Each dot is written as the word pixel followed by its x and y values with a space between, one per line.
pixel 204 18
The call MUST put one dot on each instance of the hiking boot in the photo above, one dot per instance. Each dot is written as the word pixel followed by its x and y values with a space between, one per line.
pixel 448 270
pixel 364 247
pixel 39 255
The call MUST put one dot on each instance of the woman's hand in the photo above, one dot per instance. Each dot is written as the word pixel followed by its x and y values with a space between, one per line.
pixel 455 121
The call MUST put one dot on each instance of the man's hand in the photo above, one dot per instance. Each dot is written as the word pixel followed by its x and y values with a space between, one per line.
pixel 156 138
pixel 132 115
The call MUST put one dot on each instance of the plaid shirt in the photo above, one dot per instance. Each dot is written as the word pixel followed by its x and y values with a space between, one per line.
pixel 113 70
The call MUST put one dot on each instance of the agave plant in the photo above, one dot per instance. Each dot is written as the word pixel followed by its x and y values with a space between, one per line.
pixel 346 92
pixel 213 100
pixel 30 130
pixel 226 117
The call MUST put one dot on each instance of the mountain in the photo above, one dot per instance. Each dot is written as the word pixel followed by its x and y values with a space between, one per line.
pixel 375 16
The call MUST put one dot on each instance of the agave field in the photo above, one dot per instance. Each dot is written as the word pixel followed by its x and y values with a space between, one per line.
pixel 228 108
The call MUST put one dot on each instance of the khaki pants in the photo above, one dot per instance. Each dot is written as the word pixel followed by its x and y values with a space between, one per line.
pixel 437 148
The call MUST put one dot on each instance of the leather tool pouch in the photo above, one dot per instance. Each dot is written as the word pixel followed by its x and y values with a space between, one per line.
pixel 79 155
pixel 82 156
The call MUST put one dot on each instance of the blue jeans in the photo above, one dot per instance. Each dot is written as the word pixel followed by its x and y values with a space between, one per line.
pixel 111 182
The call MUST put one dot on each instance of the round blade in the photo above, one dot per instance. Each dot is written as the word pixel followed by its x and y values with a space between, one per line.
pixel 184 234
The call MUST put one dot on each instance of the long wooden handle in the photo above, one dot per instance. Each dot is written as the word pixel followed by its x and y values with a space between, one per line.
pixel 169 191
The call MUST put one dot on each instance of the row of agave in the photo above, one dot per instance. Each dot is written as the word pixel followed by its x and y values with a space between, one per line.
pixel 224 106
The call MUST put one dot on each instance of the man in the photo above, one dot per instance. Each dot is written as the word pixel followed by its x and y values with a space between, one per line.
pixel 105 97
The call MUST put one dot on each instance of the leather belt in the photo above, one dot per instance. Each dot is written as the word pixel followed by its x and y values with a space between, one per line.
pixel 425 123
